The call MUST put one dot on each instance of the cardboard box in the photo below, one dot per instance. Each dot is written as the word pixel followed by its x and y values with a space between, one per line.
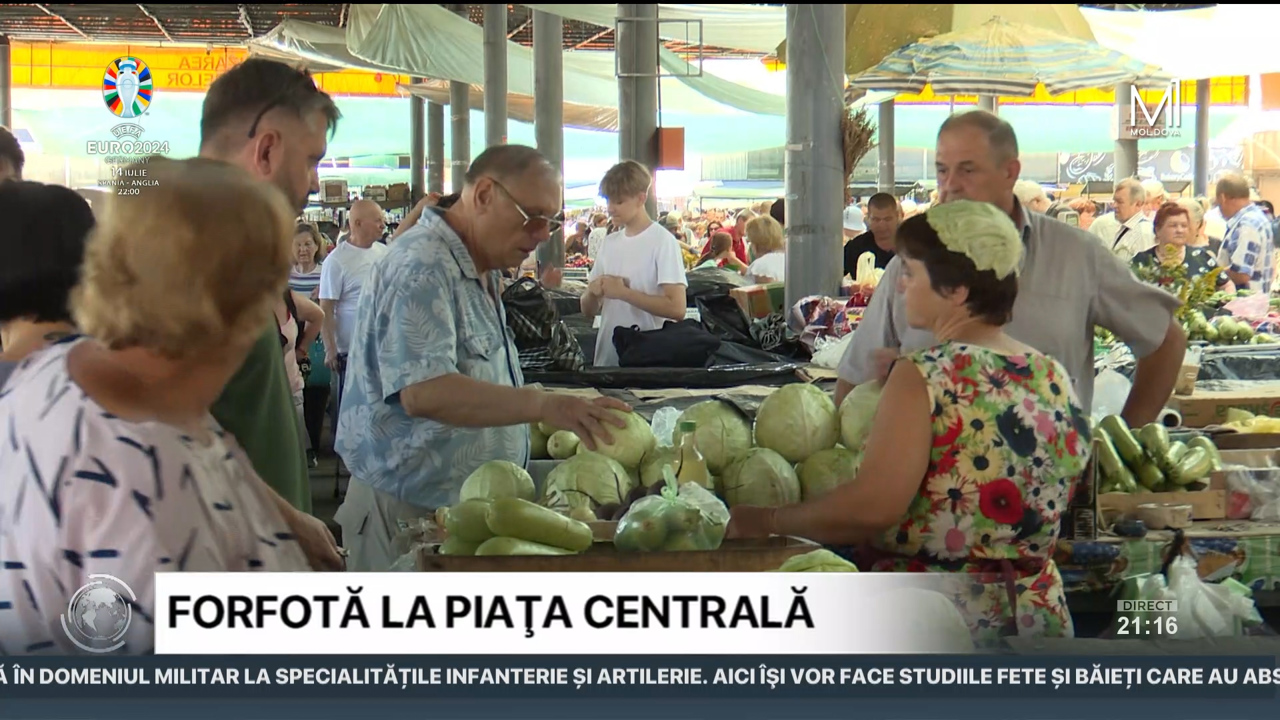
pixel 1190 372
pixel 333 191
pixel 398 192
pixel 759 301
pixel 1207 407
pixel 376 193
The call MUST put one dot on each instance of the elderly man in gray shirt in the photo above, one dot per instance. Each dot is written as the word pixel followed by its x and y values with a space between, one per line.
pixel 1068 284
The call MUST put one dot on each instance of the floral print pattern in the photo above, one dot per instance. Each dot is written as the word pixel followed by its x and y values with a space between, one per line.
pixel 1010 442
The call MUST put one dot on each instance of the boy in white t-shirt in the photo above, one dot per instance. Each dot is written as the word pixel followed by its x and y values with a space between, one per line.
pixel 638 278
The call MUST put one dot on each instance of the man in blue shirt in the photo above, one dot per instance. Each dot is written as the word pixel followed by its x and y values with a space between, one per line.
pixel 434 386
pixel 1247 247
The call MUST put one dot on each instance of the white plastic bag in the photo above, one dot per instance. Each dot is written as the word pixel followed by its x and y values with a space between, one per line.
pixel 1206 610
pixel 1110 392
pixel 664 425
pixel 829 351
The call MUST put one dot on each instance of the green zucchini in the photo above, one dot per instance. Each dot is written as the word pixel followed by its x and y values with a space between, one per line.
pixel 516 518
pixel 516 546
pixel 1150 477
pixel 1108 459
pixel 457 546
pixel 1124 481
pixel 1155 441
pixel 468 522
pixel 1125 443
pixel 1192 467
pixel 1215 459
pixel 1171 458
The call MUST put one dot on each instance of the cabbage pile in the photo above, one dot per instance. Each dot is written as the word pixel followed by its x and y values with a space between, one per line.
pixel 587 480
pixel 722 436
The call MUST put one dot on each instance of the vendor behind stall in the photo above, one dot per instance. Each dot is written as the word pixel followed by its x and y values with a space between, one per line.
pixel 434 386
pixel 1069 283
pixel 1173 260
pixel 976 444
pixel 883 217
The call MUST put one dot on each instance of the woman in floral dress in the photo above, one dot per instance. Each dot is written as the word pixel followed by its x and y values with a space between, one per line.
pixel 976 446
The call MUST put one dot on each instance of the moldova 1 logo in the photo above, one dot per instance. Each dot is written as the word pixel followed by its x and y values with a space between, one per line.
pixel 126 87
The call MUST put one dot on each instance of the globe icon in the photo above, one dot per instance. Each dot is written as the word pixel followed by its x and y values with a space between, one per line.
pixel 98 616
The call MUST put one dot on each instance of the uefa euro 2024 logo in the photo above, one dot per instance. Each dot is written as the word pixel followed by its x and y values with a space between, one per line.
pixel 98 614
pixel 127 92
pixel 126 87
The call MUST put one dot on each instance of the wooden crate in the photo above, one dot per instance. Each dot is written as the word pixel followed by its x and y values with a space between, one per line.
pixel 733 556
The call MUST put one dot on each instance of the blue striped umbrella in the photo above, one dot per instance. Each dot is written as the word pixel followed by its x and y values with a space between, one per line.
pixel 1002 58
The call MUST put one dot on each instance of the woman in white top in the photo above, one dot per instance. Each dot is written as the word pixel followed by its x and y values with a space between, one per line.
pixel 113 468
pixel 769 254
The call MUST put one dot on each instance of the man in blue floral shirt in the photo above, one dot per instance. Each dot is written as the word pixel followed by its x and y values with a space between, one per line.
pixel 434 386
pixel 1247 247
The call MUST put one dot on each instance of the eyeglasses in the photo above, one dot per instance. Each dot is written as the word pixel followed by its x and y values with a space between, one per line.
pixel 299 81
pixel 532 223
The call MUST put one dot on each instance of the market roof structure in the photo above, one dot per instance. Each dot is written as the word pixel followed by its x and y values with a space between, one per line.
pixel 236 24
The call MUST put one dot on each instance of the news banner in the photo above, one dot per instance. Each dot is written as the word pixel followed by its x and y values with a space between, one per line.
pixel 517 645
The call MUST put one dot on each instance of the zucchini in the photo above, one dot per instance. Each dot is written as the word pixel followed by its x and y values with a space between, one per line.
pixel 457 546
pixel 1192 467
pixel 1150 477
pixel 1215 459
pixel 468 521
pixel 516 546
pixel 1108 459
pixel 1155 441
pixel 1124 482
pixel 516 518
pixel 1176 451
pixel 1126 445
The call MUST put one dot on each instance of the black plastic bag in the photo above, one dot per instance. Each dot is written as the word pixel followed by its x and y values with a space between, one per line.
pixel 682 344
pixel 722 317
pixel 712 281
pixel 542 338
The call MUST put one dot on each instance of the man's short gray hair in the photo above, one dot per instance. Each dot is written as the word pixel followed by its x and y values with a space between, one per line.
pixel 1000 135
pixel 1137 193
pixel 1027 191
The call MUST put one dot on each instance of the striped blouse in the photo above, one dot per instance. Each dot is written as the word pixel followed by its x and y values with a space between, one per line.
pixel 305 283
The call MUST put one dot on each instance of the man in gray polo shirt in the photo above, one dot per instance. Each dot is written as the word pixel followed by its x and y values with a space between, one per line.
pixel 1069 283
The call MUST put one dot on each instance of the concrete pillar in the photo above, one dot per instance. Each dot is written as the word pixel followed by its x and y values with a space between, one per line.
pixel 548 111
pixel 637 52
pixel 815 153
pixel 6 85
pixel 459 132
pixel 435 147
pixel 884 147
pixel 495 75
pixel 417 147
pixel 990 103
pixel 1126 153
pixel 1200 186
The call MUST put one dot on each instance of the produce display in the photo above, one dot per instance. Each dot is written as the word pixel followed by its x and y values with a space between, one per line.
pixel 563 445
pixel 1148 461
pixel 1243 421
pixel 1203 314
pixel 588 480
pixel 818 561
pixel 578 260
pixel 676 518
